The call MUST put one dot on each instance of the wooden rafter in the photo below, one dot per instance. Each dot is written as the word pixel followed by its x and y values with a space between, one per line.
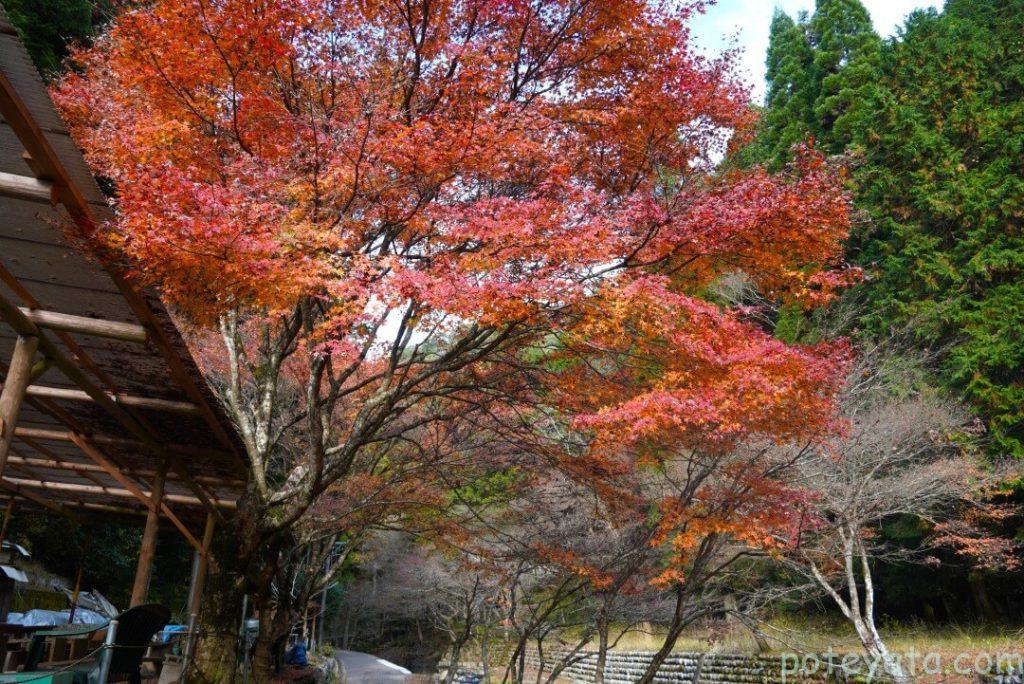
pixel 49 168
pixel 152 403
pixel 110 440
pixel 36 499
pixel 54 463
pixel 103 461
pixel 25 187
pixel 115 330
pixel 23 326
pixel 141 496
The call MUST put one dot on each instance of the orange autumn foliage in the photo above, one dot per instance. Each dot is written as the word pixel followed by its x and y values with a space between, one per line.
pixel 542 170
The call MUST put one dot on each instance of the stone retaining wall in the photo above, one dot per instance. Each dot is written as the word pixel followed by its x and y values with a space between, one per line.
pixel 679 668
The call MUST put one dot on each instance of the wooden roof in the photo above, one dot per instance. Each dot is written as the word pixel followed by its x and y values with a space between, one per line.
pixel 157 402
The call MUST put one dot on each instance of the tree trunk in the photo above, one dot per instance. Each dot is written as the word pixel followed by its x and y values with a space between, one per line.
pixel 979 592
pixel 216 656
pixel 602 647
pixel 232 575
pixel 674 630
pixel 453 663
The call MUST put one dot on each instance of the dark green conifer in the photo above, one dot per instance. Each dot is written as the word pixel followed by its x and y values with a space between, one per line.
pixel 788 112
pixel 846 63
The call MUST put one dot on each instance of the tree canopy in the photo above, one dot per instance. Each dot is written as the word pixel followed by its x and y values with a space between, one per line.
pixel 932 122
pixel 391 223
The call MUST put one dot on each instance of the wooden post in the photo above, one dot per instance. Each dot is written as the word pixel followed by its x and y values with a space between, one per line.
pixel 7 521
pixel 200 563
pixel 199 566
pixel 144 569
pixel 18 377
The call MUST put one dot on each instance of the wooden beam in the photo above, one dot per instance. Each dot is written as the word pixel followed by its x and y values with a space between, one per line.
pixel 111 441
pixel 88 505
pixel 98 327
pixel 125 493
pixel 17 320
pixel 35 498
pixel 53 463
pixel 152 403
pixel 177 369
pixel 77 352
pixel 19 372
pixel 147 549
pixel 25 187
pixel 101 459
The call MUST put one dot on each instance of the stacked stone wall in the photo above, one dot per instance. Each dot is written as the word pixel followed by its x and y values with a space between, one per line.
pixel 626 667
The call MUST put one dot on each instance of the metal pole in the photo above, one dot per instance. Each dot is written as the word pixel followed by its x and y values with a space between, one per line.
pixel 186 657
pixel 108 652
pixel 245 641
pixel 200 565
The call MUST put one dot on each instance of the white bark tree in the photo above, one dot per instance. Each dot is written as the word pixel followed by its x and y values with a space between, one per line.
pixel 900 455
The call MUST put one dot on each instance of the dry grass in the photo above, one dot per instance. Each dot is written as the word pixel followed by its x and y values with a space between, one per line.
pixel 806 635
pixel 818 635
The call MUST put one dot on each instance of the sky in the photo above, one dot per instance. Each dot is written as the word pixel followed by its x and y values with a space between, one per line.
pixel 747 21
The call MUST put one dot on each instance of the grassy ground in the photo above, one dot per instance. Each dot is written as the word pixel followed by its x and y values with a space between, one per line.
pixel 819 635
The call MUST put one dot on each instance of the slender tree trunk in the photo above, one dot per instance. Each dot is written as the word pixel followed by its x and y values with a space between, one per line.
pixel 540 659
pixel 484 652
pixel 861 615
pixel 453 663
pixel 602 646
pixel 979 592
pixel 675 629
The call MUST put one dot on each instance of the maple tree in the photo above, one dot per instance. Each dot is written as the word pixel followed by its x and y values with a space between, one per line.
pixel 381 217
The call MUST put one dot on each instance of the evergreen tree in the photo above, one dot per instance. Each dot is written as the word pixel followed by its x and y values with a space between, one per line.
pixel 943 181
pixel 788 108
pixel 846 62
pixel 48 27
pixel 935 118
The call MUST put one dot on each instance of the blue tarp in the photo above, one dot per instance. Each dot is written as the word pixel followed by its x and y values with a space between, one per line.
pixel 168 631
pixel 54 618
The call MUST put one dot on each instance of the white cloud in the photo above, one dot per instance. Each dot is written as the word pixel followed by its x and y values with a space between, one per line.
pixel 745 23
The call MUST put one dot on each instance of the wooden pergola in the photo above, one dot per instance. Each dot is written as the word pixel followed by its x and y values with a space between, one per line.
pixel 103 411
